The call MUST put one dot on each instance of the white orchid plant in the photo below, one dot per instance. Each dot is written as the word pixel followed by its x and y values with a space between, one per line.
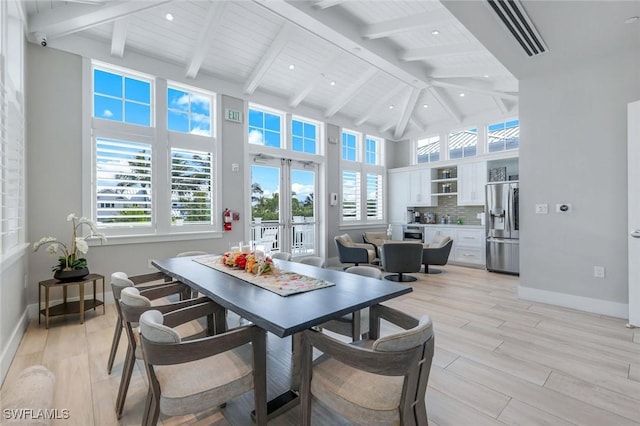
pixel 71 257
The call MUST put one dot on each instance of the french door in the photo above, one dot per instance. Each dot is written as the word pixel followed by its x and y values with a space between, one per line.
pixel 283 205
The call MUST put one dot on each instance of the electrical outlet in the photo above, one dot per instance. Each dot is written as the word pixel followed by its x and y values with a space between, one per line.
pixel 598 271
pixel 542 208
pixel 149 265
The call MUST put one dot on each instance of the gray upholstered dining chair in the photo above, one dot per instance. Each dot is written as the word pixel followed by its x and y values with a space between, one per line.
pixel 221 367
pixel 283 255
pixel 346 325
pixel 119 281
pixel 401 258
pixel 134 303
pixel 313 261
pixel 378 381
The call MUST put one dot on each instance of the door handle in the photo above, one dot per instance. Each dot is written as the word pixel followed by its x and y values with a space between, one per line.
pixel 636 233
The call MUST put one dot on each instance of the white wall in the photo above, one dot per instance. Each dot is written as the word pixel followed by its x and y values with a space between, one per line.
pixel 573 134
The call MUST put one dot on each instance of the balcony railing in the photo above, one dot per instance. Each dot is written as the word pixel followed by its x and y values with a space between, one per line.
pixel 303 238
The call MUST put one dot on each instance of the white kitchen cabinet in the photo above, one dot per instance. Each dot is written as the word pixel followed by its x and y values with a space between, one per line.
pixel 419 188
pixel 468 243
pixel 398 197
pixel 472 178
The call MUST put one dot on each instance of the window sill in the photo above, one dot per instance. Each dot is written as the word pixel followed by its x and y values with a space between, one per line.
pixel 13 255
pixel 116 240
pixel 379 225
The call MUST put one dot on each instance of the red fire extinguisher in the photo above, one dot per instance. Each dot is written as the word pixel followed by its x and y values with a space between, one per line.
pixel 226 215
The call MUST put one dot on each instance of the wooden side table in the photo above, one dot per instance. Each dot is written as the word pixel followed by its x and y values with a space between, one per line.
pixel 65 307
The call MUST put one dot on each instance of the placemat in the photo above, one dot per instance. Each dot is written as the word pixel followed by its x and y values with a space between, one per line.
pixel 283 283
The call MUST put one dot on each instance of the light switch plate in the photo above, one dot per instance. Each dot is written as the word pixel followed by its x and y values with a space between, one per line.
pixel 542 208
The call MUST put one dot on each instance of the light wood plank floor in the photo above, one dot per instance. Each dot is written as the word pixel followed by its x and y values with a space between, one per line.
pixel 499 360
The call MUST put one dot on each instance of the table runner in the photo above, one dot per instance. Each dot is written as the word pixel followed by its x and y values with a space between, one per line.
pixel 280 282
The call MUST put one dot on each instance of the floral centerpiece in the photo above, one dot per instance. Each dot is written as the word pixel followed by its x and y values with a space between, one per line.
pixel 250 262
pixel 71 260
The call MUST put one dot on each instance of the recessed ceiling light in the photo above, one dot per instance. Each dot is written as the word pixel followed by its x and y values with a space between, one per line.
pixel 632 20
pixel 391 106
pixel 461 95
pixel 333 83
pixel 486 76
pixel 291 67
pixel 169 17
pixel 425 106
pixel 435 32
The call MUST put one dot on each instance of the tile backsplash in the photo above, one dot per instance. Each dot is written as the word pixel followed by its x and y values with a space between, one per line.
pixel 448 204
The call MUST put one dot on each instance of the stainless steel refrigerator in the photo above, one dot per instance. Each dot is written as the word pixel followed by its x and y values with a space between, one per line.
pixel 502 227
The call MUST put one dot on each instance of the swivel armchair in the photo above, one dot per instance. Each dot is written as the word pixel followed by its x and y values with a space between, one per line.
pixel 437 253
pixel 356 253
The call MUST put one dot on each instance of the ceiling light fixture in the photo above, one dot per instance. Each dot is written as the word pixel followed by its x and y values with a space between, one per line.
pixel 333 83
pixel 391 106
pixel 291 67
pixel 486 76
pixel 461 95
pixel 632 20
pixel 425 106
pixel 435 32
pixel 169 17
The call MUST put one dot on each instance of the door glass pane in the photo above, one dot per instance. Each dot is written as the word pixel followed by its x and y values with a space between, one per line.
pixel 303 183
pixel 265 206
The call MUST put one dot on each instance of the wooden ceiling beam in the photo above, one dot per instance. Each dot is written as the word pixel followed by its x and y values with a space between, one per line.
pixel 350 92
pixel 119 37
pixel 431 20
pixel 445 104
pixel 407 111
pixel 258 73
pixel 304 92
pixel 379 104
pixel 440 51
pixel 73 18
pixel 211 22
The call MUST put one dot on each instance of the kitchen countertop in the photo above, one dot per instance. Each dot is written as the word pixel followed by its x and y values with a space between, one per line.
pixel 450 225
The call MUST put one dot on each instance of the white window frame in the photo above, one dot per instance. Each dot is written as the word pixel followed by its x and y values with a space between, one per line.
pixel 318 136
pixel 284 126
pixel 503 122
pixel 12 137
pixel 162 141
pixel 195 91
pixel 429 141
pixel 477 145
pixel 360 166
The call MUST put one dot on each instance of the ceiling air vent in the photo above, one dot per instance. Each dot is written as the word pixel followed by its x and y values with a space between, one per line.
pixel 515 18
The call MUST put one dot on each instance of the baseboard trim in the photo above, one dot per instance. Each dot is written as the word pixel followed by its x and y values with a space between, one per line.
pixel 587 304
pixel 14 342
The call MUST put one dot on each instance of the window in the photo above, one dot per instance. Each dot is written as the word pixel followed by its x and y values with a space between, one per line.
pixel 372 150
pixel 428 150
pixel 264 127
pixel 191 181
pixel 146 178
pixel 349 146
pixel 503 136
pixel 350 195
pixel 304 136
pixel 12 151
pixel 119 97
pixel 463 143
pixel 374 196
pixel 188 112
pixel 362 178
pixel 123 183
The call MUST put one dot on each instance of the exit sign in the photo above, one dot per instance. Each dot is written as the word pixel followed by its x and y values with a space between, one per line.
pixel 233 115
